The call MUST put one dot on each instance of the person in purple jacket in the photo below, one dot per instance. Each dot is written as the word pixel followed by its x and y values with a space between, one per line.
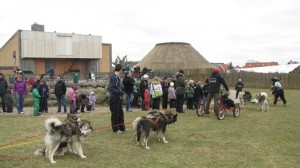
pixel 20 91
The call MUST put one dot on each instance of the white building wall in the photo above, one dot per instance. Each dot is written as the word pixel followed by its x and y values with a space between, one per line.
pixel 36 44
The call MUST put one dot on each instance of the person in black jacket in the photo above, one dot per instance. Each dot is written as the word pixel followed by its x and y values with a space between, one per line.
pixel 115 102
pixel 128 83
pixel 3 91
pixel 44 93
pixel 180 91
pixel 238 87
pixel 60 92
pixel 213 90
pixel 205 93
pixel 165 86
pixel 198 94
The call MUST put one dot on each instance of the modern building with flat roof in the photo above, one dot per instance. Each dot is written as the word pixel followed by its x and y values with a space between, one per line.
pixel 37 51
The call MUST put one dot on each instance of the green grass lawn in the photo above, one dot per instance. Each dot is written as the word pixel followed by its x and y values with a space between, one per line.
pixel 254 139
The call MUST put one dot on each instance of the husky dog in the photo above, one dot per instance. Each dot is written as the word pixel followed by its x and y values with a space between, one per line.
pixel 155 121
pixel 61 137
pixel 246 99
pixel 262 99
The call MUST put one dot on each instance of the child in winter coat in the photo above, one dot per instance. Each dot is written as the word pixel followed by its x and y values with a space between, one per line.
pixel 146 99
pixel 92 100
pixel 36 100
pixel 73 100
pixel 172 95
pixel 44 93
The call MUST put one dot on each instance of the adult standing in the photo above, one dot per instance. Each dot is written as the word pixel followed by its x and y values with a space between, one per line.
pixel 128 83
pixel 20 91
pixel 116 93
pixel 180 90
pixel 143 87
pixel 60 92
pixel 3 91
pixel 215 81
pixel 165 86
pixel 238 87
pixel 278 91
pixel 51 72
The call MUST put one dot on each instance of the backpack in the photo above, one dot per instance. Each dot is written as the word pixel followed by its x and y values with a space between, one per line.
pixel 157 90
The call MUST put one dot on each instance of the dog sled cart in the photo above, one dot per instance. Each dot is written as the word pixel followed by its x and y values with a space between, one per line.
pixel 225 105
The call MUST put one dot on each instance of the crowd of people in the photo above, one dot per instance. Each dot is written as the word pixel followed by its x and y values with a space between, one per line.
pixel 140 92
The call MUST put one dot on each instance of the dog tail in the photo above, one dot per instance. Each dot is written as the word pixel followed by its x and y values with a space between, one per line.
pixel 52 123
pixel 135 122
pixel 39 152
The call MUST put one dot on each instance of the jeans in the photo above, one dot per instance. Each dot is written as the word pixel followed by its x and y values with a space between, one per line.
pixel 128 105
pixel 20 97
pixel 61 100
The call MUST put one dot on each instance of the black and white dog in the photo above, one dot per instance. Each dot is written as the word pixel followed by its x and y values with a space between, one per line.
pixel 154 121
pixel 246 99
pixel 262 99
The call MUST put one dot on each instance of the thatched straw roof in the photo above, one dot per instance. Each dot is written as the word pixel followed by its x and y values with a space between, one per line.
pixel 170 57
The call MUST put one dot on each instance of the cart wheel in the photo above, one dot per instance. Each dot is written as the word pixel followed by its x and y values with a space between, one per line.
pixel 221 113
pixel 236 111
pixel 200 110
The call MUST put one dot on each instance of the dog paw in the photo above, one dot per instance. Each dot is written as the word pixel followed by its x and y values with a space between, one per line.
pixel 165 141
pixel 53 162
pixel 83 157
pixel 147 147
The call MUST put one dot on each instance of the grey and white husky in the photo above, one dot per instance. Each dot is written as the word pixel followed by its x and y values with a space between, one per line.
pixel 61 137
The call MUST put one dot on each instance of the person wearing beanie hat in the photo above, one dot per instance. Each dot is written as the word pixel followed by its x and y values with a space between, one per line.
pixel 172 95
pixel 143 86
pixel 215 81
pixel 217 70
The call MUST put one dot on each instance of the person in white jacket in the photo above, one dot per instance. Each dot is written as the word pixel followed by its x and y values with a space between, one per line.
pixel 156 93
pixel 172 95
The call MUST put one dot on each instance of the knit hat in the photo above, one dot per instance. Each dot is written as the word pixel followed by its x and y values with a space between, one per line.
pixel 217 70
pixel 171 84
pixel 146 76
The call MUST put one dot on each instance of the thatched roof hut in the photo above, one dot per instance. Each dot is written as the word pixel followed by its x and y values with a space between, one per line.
pixel 170 57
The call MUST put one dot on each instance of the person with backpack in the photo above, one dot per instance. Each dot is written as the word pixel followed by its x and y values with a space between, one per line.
pixel 60 92
pixel 156 93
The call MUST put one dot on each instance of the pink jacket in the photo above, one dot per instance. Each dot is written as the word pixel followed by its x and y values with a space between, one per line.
pixel 171 92
pixel 72 95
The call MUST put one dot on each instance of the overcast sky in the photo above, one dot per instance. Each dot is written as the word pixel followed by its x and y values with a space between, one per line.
pixel 221 30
